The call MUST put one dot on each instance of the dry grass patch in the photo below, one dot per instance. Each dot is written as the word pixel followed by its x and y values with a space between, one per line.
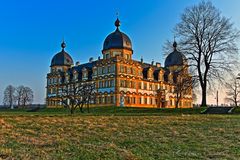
pixel 120 137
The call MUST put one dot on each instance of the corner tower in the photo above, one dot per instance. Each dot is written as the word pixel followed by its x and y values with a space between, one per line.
pixel 117 44
pixel 175 60
pixel 62 60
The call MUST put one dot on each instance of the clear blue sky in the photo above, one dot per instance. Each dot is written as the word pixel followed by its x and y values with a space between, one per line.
pixel 31 32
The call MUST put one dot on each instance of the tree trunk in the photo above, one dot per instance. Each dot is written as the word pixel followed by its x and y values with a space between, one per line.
pixel 204 96
pixel 88 108
pixel 176 105
pixel 71 111
pixel 81 108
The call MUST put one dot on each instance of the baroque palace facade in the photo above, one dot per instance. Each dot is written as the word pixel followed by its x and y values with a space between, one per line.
pixel 120 80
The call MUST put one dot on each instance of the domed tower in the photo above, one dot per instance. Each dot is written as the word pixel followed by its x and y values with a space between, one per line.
pixel 175 60
pixel 117 43
pixel 62 60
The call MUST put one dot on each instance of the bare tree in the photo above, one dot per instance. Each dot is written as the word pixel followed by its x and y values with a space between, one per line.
pixel 69 94
pixel 88 95
pixel 9 97
pixel 183 85
pixel 75 95
pixel 233 91
pixel 19 95
pixel 27 96
pixel 208 40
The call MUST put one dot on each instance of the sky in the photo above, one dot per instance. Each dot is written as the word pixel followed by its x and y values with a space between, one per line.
pixel 31 33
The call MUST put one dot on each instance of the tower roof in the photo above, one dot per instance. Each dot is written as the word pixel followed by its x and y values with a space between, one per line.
pixel 117 39
pixel 175 57
pixel 62 58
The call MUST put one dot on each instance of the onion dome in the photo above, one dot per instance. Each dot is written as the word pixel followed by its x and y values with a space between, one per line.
pixel 62 58
pixel 175 58
pixel 117 39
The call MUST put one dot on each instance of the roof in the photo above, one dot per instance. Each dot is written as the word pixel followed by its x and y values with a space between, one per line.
pixel 117 40
pixel 62 59
pixel 175 57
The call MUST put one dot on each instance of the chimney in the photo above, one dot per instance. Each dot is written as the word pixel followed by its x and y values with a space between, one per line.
pixel 152 62
pixel 141 59
pixel 90 59
pixel 99 57
pixel 158 64
pixel 77 63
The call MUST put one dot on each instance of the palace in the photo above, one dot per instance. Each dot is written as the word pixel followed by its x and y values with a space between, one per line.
pixel 120 80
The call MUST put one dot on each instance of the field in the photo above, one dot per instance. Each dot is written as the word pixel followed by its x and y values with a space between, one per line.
pixel 119 133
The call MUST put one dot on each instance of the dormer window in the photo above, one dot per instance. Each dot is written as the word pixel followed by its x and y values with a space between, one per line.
pixel 107 56
pixel 84 74
pixel 76 76
pixel 115 53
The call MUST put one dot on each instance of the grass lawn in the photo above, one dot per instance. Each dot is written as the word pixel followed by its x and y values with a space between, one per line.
pixel 119 133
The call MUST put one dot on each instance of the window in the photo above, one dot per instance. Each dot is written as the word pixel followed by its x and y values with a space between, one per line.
pixel 133 71
pixel 122 69
pixel 145 86
pixel 140 100
pixel 139 73
pixel 140 85
pixel 145 100
pixel 106 102
pixel 111 99
pixel 112 83
pixel 125 69
pixel 84 75
pixel 103 84
pixel 60 91
pixel 107 56
pixel 49 91
pixel 128 70
pixel 116 53
pixel 130 84
pixel 100 84
pixel 112 68
pixel 109 69
pixel 54 90
pixel 106 83
pixel 133 100
pixel 76 76
pixel 122 83
pixel 150 87
pixel 100 70
pixel 133 85
pixel 103 70
pixel 128 100
pixel 151 102
pixel 95 72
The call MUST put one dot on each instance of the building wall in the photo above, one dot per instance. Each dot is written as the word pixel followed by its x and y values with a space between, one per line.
pixel 119 77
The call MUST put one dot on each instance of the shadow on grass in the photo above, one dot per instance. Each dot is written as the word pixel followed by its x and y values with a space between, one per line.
pixel 105 111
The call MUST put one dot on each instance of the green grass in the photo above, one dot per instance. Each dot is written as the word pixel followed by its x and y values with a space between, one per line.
pixel 119 133
pixel 120 111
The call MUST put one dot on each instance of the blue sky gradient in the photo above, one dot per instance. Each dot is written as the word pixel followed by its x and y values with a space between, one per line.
pixel 31 32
